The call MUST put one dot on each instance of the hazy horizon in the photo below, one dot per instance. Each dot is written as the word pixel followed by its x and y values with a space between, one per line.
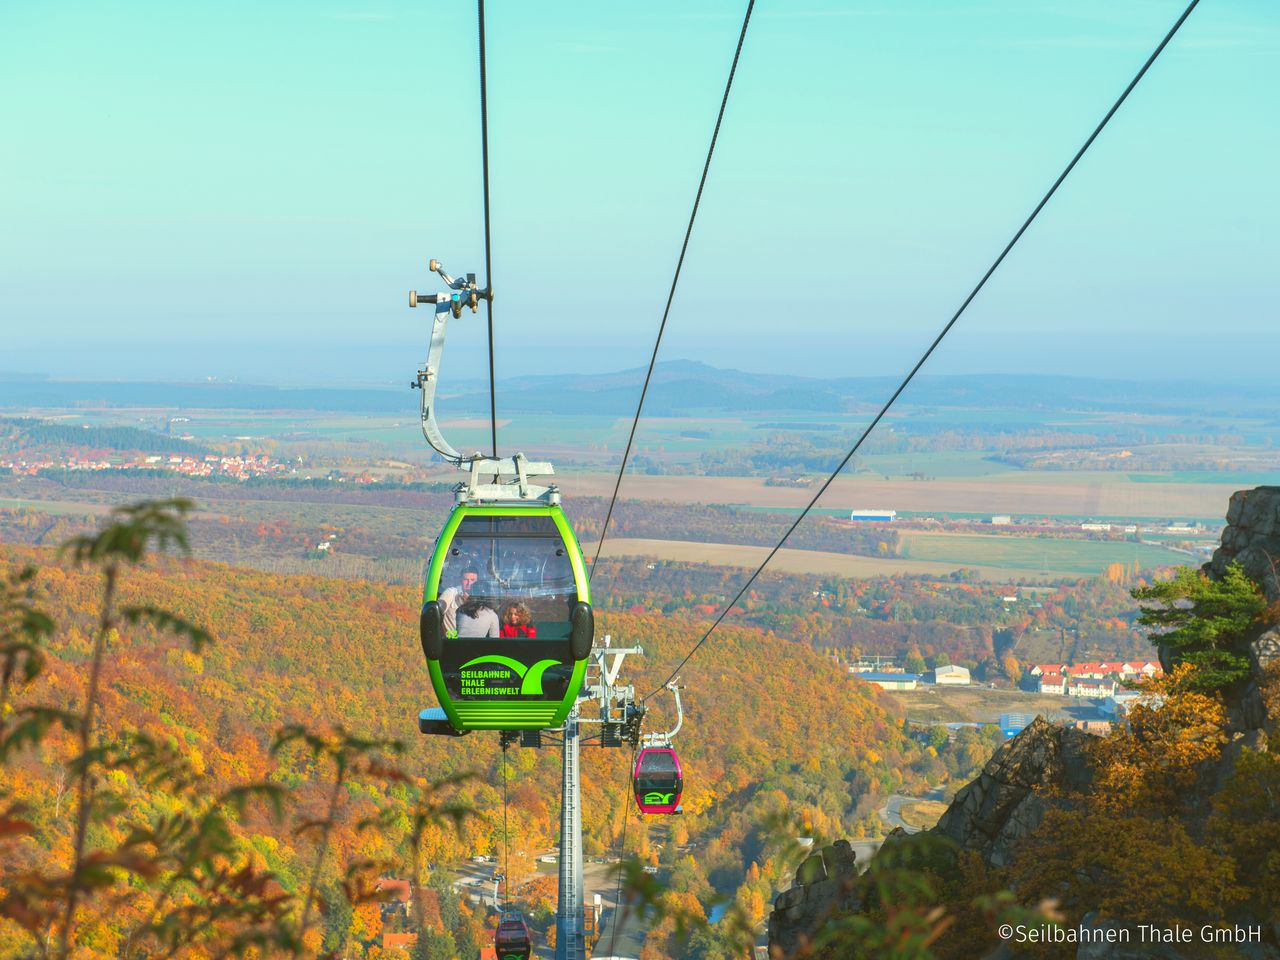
pixel 250 191
pixel 100 367
pixel 1210 359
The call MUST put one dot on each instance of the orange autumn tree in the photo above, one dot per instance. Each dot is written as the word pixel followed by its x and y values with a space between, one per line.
pixel 1119 847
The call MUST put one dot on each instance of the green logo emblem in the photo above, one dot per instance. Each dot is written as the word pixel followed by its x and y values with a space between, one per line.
pixel 657 798
pixel 531 684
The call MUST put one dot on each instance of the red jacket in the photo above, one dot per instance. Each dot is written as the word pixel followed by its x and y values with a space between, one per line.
pixel 518 630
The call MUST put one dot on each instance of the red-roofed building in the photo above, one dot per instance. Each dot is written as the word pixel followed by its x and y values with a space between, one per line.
pixel 1092 669
pixel 395 898
pixel 404 941
pixel 1042 668
pixel 1051 683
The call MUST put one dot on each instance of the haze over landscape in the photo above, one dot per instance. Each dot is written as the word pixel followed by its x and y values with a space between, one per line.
pixel 1018 666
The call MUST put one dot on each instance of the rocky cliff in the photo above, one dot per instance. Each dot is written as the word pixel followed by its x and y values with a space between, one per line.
pixel 1007 801
pixel 823 887
pixel 989 815
pixel 1009 798
pixel 1252 538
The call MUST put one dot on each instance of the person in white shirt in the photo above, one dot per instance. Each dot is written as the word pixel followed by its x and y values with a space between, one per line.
pixel 455 597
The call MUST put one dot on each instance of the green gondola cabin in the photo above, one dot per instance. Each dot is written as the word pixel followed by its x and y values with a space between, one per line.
pixel 506 621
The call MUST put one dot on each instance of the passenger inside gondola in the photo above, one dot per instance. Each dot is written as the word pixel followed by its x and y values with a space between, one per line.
pixel 477 618
pixel 526 585
pixel 517 621
pixel 455 596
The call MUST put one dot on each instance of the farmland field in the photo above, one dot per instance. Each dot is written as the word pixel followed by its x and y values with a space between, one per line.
pixel 1033 554
pixel 815 561
pixel 57 507
pixel 1024 493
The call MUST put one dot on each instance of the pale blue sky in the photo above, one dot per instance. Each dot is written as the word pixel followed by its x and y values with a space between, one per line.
pixel 252 188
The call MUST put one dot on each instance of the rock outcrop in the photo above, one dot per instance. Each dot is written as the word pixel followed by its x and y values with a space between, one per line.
pixel 1252 538
pixel 823 887
pixel 1007 801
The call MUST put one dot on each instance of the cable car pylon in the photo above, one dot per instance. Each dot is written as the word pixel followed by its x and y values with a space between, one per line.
pixel 619 719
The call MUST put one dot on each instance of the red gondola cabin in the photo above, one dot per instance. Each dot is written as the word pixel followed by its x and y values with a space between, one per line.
pixel 658 780
pixel 511 940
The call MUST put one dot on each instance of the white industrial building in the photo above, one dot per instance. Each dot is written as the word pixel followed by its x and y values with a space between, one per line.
pixel 950 675
pixel 873 515
pixel 891 681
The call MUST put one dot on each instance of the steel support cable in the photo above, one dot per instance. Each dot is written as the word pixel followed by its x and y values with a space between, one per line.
pixel 675 280
pixel 934 345
pixel 622 851
pixel 488 259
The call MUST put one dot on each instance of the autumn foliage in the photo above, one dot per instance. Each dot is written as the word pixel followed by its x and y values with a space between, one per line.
pixel 239 789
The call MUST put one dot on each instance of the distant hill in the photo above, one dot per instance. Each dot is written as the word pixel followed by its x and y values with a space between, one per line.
pixel 30 433
pixel 25 394
pixel 679 387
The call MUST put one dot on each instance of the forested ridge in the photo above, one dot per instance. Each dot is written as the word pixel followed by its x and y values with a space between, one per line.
pixel 29 435
pixel 772 727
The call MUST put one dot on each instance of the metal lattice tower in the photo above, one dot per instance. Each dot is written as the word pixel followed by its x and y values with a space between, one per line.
pixel 619 719
pixel 569 919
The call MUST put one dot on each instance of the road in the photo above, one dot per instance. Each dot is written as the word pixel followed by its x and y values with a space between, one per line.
pixel 864 850
pixel 602 878
pixel 598 878
pixel 891 812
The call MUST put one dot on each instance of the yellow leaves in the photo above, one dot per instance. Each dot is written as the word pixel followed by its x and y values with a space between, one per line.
pixel 1160 754
pixel 1246 822
pixel 192 662
pixel 196 759
pixel 698 801
pixel 97 938
pixel 1126 866
pixel 366 922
